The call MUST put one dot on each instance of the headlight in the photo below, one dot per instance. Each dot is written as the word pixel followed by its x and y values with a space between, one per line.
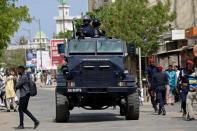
pixel 125 84
pixel 71 83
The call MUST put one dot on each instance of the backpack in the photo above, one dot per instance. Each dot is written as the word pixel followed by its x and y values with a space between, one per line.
pixel 32 88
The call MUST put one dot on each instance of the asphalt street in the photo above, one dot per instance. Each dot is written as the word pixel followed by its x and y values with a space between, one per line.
pixel 43 107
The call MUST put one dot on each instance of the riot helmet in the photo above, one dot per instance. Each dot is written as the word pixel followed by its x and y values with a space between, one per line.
pixel 96 23
pixel 86 20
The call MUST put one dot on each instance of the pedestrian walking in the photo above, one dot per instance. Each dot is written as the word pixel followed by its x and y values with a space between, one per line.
pixel 176 93
pixel 192 91
pixel 9 91
pixel 2 88
pixel 48 79
pixel 185 72
pixel 172 78
pixel 150 71
pixel 23 85
pixel 160 80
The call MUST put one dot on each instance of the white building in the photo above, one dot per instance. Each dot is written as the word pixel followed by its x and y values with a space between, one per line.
pixel 64 17
pixel 39 39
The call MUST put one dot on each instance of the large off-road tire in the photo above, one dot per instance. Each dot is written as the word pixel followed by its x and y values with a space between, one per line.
pixel 62 108
pixel 133 105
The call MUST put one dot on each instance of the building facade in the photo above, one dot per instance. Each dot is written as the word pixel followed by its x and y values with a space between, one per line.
pixel 175 46
pixel 39 41
pixel 64 20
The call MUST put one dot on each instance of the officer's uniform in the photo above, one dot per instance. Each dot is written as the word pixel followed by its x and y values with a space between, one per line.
pixel 88 31
pixel 192 95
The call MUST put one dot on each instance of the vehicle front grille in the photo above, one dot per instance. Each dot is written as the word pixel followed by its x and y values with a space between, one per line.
pixel 96 74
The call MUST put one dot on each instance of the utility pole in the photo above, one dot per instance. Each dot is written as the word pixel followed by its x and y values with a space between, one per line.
pixel 140 67
pixel 194 12
pixel 40 44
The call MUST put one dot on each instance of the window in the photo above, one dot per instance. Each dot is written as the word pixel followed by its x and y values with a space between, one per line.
pixel 110 46
pixel 82 47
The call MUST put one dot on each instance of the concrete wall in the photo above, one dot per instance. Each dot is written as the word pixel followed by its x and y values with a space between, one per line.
pixel 186 12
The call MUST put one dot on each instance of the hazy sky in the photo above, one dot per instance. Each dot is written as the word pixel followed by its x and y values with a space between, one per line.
pixel 46 10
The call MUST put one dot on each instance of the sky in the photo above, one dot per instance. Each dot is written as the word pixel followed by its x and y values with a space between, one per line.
pixel 46 10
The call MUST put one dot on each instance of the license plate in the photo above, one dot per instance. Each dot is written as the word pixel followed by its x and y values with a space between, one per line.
pixel 74 90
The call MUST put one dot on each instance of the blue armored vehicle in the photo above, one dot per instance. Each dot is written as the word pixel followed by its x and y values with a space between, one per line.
pixel 95 78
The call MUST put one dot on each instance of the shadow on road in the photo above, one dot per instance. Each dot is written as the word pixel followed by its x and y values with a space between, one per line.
pixel 24 128
pixel 94 117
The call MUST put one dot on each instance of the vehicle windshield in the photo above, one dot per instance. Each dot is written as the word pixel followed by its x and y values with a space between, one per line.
pixel 82 47
pixel 109 46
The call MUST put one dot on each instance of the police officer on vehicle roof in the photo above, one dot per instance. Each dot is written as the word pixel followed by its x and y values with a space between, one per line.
pixel 87 29
pixel 90 28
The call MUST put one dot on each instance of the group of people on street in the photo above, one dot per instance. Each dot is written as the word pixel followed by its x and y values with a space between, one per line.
pixel 14 80
pixel 45 77
pixel 8 90
pixel 172 85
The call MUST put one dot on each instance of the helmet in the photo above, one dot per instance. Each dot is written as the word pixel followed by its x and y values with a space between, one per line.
pixel 86 19
pixel 96 23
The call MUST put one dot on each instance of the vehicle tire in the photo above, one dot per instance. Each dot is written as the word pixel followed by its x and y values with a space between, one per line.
pixel 62 108
pixel 132 109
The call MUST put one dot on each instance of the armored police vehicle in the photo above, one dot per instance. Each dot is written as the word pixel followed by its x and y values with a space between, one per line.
pixel 94 78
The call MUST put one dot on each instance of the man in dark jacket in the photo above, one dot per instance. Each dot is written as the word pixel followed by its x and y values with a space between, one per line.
pixel 160 81
pixel 150 71
pixel 23 86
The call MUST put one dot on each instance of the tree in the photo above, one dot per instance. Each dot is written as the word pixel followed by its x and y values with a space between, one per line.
pixel 11 17
pixel 135 21
pixel 13 58
pixel 68 34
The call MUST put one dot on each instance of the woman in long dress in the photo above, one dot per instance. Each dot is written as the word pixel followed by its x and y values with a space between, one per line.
pixel 10 92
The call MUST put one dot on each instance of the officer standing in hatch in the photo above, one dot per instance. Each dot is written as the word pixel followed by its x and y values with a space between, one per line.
pixel 97 31
pixel 86 28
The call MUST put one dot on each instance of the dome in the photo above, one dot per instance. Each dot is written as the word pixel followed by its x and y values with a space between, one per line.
pixel 40 34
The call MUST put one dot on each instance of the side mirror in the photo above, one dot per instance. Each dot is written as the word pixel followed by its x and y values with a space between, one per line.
pixel 131 49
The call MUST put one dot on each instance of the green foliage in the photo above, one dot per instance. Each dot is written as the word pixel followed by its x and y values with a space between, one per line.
pixel 68 34
pixel 78 23
pixel 136 21
pixel 13 58
pixel 11 17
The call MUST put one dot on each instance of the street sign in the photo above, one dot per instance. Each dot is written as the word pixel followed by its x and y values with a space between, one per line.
pixel 56 57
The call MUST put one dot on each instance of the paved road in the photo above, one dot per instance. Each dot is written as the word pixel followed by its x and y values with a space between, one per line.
pixel 43 106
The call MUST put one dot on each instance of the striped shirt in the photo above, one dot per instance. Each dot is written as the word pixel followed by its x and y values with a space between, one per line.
pixel 192 81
